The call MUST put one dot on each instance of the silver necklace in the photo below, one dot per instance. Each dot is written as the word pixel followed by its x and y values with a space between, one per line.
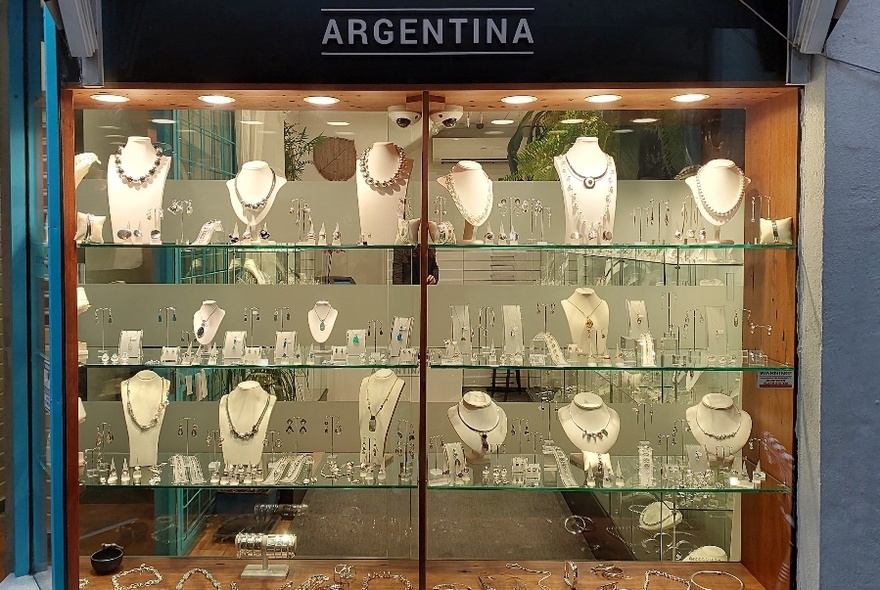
pixel 372 423
pixel 596 435
pixel 717 215
pixel 153 421
pixel 723 435
pixel 575 206
pixel 254 429
pixel 484 434
pixel 322 325
pixel 475 220
pixel 588 320
pixel 589 181
pixel 137 180
pixel 141 569
pixel 262 202
pixel 201 331
pixel 659 574
pixel 213 581
pixel 395 178
pixel 461 324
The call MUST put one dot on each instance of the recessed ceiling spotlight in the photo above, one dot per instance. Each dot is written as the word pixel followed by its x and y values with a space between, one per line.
pixel 624 130
pixel 345 133
pixel 113 98
pixel 338 123
pixel 503 121
pixel 115 136
pixel 600 98
pixel 109 127
pixel 163 121
pixel 519 99
pixel 216 99
pixel 321 100
pixel 694 97
pixel 645 120
pixel 250 122
pixel 493 132
pixel 571 121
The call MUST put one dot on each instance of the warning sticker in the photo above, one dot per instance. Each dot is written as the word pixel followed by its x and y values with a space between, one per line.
pixel 776 379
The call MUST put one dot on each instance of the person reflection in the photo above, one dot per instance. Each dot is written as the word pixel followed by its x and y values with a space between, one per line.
pixel 406 268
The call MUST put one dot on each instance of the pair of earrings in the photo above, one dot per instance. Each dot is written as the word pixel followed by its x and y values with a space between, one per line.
pixel 337 428
pixel 194 430
pixel 173 314
pixel 256 312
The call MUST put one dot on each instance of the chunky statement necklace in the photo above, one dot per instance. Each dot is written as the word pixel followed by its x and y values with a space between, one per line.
pixel 395 178
pixel 723 435
pixel 201 331
pixel 137 180
pixel 717 215
pixel 595 436
pixel 372 423
pixel 484 434
pixel 475 220
pixel 262 202
pixel 589 181
pixel 256 427
pixel 141 569
pixel 153 421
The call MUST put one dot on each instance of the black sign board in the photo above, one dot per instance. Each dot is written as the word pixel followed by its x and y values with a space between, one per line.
pixel 436 42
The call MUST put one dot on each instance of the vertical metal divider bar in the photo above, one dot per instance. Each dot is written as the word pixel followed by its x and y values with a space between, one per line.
pixel 423 347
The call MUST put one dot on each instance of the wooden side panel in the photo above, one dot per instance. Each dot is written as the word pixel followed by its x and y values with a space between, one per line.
pixel 772 130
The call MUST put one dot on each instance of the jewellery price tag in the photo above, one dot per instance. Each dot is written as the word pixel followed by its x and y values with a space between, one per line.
pixel 253 355
pixel 538 360
pixel 285 343
pixel 170 355
pixel 130 344
pixel 233 345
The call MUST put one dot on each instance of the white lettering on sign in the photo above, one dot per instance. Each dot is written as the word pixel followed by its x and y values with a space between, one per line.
pixel 505 32
pixel 775 379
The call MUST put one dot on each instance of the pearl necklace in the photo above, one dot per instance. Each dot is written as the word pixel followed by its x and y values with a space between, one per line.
pixel 254 429
pixel 395 178
pixel 723 435
pixel 154 421
pixel 137 180
pixel 475 220
pixel 262 202
pixel 717 215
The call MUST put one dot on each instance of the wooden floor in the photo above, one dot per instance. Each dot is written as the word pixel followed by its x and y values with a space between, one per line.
pixel 463 573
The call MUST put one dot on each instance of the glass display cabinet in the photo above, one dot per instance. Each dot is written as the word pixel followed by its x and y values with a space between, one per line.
pixel 448 339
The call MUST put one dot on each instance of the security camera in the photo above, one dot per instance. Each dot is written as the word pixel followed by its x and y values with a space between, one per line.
pixel 449 116
pixel 403 117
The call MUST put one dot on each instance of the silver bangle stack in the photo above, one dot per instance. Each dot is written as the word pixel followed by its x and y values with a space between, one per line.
pixel 275 546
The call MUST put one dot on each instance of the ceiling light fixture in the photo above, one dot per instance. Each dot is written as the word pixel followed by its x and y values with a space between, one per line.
pixel 321 100
pixel 602 98
pixel 493 132
pixel 624 130
pixel 163 121
pixel 571 121
pixel 250 122
pixel 216 99
pixel 338 123
pixel 503 121
pixel 694 97
pixel 519 99
pixel 644 120
pixel 110 98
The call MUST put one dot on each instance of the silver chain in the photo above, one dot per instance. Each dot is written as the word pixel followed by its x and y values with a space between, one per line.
pixel 141 569
pixel 659 574
pixel 204 572
pixel 522 568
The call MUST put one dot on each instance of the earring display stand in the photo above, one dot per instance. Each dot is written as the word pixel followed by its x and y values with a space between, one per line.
pixel 261 545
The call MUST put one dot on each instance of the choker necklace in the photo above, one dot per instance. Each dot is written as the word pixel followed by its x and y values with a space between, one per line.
pixel 201 331
pixel 372 423
pixel 253 431
pixel 395 178
pixel 594 436
pixel 153 421
pixel 322 325
pixel 139 180
pixel 475 220
pixel 723 435
pixel 589 181
pixel 262 202
pixel 722 216
pixel 484 434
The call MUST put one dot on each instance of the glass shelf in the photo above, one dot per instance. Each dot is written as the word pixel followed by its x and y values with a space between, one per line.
pixel 629 466
pixel 614 247
pixel 313 474
pixel 242 248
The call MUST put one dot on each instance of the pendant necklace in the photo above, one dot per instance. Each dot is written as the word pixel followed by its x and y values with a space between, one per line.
pixel 723 435
pixel 256 427
pixel 588 320
pixel 722 216
pixel 372 422
pixel 475 220
pixel 484 434
pixel 395 178
pixel 256 207
pixel 153 421
pixel 594 435
pixel 322 325
pixel 461 323
pixel 589 181
pixel 137 180
pixel 577 213
pixel 201 331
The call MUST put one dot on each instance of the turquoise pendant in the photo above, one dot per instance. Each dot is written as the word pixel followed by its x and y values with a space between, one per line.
pixel 323 325
pixel 355 340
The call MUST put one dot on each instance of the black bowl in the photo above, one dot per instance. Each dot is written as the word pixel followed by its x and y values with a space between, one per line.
pixel 107 559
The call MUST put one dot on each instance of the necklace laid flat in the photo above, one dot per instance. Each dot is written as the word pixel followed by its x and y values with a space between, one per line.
pixel 154 421
pixel 204 320
pixel 596 435
pixel 256 427
pixel 475 220
pixel 372 423
pixel 137 180
pixel 723 435
pixel 395 178
pixel 717 215
pixel 323 320
pixel 257 206
pixel 484 434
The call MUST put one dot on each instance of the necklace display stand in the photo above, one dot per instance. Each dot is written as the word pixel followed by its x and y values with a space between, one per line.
pixel 719 189
pixel 480 424
pixel 255 182
pixel 471 191
pixel 592 427
pixel 322 318
pixel 511 316
pixel 588 319
pixel 130 204
pixel 247 406
pixel 461 328
pixel 377 401
pixel 145 396
pixel 380 207
pixel 585 164
pixel 206 321
pixel 721 427
pixel 716 330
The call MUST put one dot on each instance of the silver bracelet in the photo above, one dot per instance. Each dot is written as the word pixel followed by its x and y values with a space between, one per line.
pixel 714 573
pixel 204 572
pixel 659 574
pixel 142 568
pixel 407 585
